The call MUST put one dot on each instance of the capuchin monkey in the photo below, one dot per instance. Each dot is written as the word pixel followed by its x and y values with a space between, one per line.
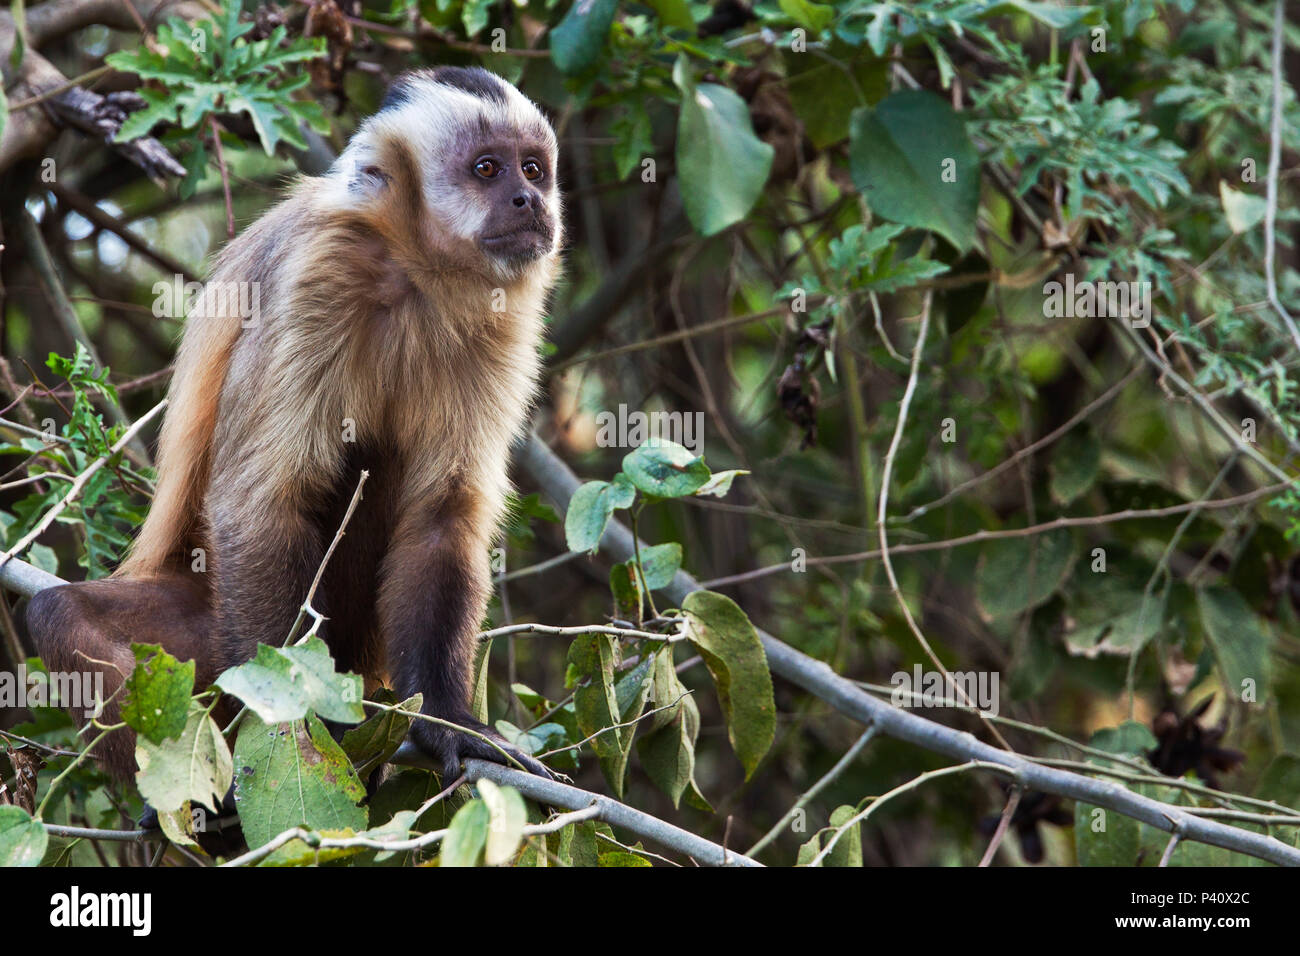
pixel 401 300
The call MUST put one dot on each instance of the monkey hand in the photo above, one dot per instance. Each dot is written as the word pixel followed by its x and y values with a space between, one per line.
pixel 450 747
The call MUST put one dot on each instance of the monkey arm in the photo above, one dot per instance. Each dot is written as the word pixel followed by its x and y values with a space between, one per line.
pixel 434 591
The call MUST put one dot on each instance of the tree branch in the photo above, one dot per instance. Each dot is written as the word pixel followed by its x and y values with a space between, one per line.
pixel 815 677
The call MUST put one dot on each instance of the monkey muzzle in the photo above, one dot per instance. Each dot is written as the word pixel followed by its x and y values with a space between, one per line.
pixel 527 242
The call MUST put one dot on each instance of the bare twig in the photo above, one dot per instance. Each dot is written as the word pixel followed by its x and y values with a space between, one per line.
pixel 1004 821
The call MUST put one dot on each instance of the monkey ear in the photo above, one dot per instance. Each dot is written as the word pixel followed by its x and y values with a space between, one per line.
pixel 367 179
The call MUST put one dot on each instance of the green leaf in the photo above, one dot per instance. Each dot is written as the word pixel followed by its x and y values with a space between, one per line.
pixel 18 12
pixel 596 707
pixel 1076 462
pixel 466 836
pixel 577 41
pixel 474 14
pixel 507 816
pixel 625 586
pixel 194 767
pixel 719 483
pixel 1052 15
pixel 622 858
pixel 285 683
pixel 722 165
pixel 673 13
pixel 898 154
pixel 294 774
pixel 1129 738
pixel 814 17
pixel 22 839
pixel 1242 210
pixel 660 563
pixel 590 509
pixel 1016 574
pixel 1114 605
pixel 479 699
pixel 1242 642
pixel 373 741
pixel 666 746
pixel 734 656
pixel 42 555
pixel 819 90
pixel 848 848
pixel 158 693
pixel 1103 837
pixel 178 825
pixel 665 469
pixel 159 108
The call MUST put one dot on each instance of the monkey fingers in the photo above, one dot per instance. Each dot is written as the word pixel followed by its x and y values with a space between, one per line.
pixel 453 747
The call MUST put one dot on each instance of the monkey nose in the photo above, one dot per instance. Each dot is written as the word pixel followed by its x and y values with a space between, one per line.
pixel 523 199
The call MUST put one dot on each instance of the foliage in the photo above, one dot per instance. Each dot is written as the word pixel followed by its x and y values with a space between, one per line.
pixel 807 183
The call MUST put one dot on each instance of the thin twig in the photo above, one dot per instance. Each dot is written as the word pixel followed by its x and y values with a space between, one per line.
pixel 883 509
pixel 1008 812
pixel 807 797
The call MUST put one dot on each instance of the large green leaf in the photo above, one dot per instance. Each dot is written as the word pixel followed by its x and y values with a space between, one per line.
pixel 665 469
pixel 294 774
pixel 22 839
pixel 1242 642
pixel 898 154
pixel 1103 837
pixel 286 683
pixel 734 656
pixel 578 39
pixel 721 165
pixel 1076 462
pixel 1015 574
pixel 158 693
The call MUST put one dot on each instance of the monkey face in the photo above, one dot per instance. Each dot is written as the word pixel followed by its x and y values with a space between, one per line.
pixel 480 155
pixel 511 181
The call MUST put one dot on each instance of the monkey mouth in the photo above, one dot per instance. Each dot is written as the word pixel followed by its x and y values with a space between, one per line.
pixel 525 243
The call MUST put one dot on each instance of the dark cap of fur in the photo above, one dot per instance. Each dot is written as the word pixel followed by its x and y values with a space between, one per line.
pixel 473 80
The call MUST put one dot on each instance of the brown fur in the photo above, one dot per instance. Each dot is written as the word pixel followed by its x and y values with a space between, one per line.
pixel 374 312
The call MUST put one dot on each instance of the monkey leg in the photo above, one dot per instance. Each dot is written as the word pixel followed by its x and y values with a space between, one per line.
pixel 261 576
pixel 88 628
pixel 431 599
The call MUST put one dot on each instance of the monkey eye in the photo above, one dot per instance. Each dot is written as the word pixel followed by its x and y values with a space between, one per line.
pixel 486 167
pixel 532 170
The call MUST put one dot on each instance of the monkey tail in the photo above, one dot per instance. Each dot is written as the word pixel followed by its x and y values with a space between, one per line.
pixel 185 444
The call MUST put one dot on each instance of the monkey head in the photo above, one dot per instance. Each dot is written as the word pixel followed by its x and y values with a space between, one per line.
pixel 468 163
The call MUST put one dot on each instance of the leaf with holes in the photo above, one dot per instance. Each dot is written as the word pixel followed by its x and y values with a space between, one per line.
pixel 293 774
